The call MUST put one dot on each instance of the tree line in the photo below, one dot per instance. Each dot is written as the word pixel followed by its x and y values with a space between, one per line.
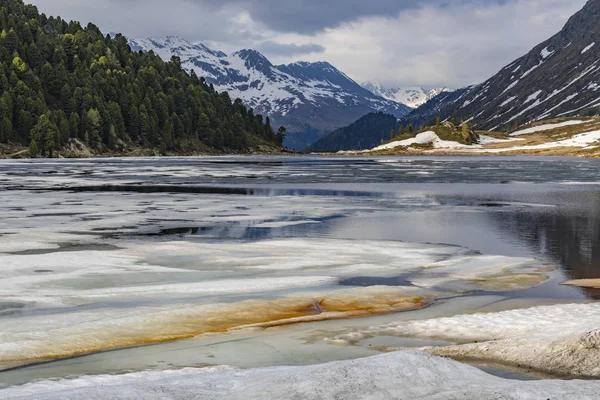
pixel 61 81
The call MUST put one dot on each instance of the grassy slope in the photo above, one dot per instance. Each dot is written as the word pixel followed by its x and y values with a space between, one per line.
pixel 537 138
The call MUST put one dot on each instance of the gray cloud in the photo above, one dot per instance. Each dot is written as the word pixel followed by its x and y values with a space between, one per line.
pixel 310 16
pixel 289 49
pixel 398 42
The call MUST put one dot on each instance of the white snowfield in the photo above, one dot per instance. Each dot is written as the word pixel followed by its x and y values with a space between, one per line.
pixel 423 138
pixel 484 139
pixel 401 375
pixel 557 339
pixel 546 127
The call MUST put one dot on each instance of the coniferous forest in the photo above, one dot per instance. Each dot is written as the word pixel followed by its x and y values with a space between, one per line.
pixel 62 83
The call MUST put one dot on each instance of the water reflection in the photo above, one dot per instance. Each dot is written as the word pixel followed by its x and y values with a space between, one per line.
pixel 562 227
pixel 571 240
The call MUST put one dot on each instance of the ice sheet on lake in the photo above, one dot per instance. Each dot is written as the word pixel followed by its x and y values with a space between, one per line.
pixel 401 375
pixel 83 331
pixel 481 272
pixel 152 292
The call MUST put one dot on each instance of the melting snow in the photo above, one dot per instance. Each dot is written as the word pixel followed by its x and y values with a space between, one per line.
pixel 588 48
pixel 394 376
pixel 484 140
pixel 545 127
pixel 532 69
pixel 423 138
pixel 533 97
pixel 507 101
pixel 547 338
pixel 593 86
pixel 546 53
pixel 512 85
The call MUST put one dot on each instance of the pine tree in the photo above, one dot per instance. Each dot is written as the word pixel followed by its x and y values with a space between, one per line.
pixel 45 132
pixel 34 151
pixel 6 130
pixel 281 133
pixel 74 129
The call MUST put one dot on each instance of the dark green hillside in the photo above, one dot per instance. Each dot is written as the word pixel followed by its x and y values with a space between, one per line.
pixel 366 133
pixel 63 85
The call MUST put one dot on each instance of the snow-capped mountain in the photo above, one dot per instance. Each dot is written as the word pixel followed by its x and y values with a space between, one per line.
pixel 310 99
pixel 559 77
pixel 413 97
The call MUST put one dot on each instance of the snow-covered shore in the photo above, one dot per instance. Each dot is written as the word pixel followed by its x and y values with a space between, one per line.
pixel 401 375
pixel 562 340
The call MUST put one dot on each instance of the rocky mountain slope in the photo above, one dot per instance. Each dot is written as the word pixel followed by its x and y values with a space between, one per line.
pixel 310 99
pixel 559 77
pixel 413 97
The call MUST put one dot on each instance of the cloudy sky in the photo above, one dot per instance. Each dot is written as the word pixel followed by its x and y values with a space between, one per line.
pixel 426 43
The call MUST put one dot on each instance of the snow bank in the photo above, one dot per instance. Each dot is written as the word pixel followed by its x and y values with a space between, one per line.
pixel 546 127
pixel 558 339
pixel 423 138
pixel 401 375
pixel 582 140
pixel 484 140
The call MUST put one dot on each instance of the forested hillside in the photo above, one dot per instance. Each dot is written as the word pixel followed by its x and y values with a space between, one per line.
pixel 63 83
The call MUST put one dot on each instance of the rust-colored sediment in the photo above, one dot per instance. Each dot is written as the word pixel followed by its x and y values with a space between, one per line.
pixel 585 283
pixel 189 321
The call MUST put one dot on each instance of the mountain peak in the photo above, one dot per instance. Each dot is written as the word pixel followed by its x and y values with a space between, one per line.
pixel 172 45
pixel 254 60
pixel 310 99
pixel 411 96
pixel 557 78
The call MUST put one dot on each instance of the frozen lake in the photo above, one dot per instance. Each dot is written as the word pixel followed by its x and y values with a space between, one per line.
pixel 117 265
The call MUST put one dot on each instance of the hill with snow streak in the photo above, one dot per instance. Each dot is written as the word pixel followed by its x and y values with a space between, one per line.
pixel 310 99
pixel 559 77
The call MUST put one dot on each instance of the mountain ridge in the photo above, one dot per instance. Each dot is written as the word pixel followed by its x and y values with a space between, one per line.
pixel 310 99
pixel 558 77
pixel 411 96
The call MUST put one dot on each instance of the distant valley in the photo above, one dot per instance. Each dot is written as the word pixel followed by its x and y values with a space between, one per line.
pixel 413 97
